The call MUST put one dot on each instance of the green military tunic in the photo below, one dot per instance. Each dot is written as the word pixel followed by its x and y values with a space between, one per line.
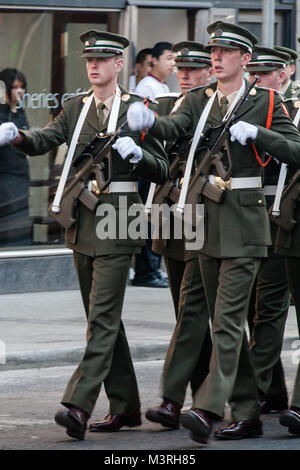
pixel 237 236
pixel 102 265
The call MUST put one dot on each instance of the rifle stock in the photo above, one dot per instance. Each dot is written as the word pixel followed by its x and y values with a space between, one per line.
pixel 169 192
pixel 289 201
pixel 199 184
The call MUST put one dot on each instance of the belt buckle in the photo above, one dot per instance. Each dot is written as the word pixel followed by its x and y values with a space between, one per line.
pixel 220 183
pixel 95 189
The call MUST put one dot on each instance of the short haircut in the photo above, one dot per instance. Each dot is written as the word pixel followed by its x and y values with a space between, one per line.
pixel 160 47
pixel 142 54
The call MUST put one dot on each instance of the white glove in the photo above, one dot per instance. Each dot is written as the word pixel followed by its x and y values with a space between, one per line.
pixel 242 131
pixel 8 133
pixel 126 147
pixel 140 117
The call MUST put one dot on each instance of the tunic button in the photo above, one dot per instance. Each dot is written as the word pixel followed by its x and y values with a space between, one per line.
pixel 260 202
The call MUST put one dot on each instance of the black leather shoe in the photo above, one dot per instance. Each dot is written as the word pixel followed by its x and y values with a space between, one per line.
pixel 112 423
pixel 167 414
pixel 240 430
pixel 74 420
pixel 199 422
pixel 291 419
pixel 272 406
pixel 155 282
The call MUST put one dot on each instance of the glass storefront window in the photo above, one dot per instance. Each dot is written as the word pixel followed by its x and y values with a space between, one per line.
pixel 45 48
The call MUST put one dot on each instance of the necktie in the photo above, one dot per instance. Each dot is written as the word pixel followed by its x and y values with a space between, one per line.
pixel 224 105
pixel 101 118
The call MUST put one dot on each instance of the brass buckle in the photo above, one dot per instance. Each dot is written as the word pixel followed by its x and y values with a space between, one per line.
pixel 95 189
pixel 220 183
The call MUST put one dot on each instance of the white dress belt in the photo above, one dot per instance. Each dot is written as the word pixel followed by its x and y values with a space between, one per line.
pixel 123 187
pixel 114 187
pixel 270 190
pixel 239 183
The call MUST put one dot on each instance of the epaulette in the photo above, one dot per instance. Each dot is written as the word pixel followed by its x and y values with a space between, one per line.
pixel 168 95
pixel 143 97
pixel 268 89
pixel 76 95
pixel 196 88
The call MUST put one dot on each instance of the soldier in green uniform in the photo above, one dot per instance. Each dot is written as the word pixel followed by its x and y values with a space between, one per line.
pixel 287 245
pixel 289 87
pixel 237 230
pixel 271 291
pixel 102 264
pixel 188 355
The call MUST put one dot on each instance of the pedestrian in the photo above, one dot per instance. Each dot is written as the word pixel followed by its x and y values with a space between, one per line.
pixel 147 267
pixel 14 168
pixel 237 232
pixel 143 65
pixel 188 354
pixel 102 265
pixel 162 67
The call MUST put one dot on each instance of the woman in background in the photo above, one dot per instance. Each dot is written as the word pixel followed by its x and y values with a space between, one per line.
pixel 14 168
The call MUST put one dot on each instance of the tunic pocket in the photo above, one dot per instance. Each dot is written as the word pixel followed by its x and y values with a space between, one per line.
pixel 254 218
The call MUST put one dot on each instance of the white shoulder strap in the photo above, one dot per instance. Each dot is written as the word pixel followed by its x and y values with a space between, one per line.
pixel 190 159
pixel 62 182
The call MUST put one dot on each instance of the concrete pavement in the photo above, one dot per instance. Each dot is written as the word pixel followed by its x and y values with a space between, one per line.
pixel 46 329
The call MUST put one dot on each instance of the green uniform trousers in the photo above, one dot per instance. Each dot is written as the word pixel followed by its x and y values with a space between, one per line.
pixel 175 270
pixel 107 356
pixel 189 351
pixel 228 283
pixel 277 390
pixel 293 270
pixel 272 304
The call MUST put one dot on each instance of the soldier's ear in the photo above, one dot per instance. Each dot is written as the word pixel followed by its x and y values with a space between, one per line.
pixel 119 64
pixel 245 58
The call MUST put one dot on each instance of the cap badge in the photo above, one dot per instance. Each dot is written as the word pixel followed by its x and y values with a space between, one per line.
pixel 92 41
pixel 185 51
pixel 218 33
pixel 209 92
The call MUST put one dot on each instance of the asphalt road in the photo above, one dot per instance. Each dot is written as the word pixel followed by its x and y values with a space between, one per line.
pixel 29 399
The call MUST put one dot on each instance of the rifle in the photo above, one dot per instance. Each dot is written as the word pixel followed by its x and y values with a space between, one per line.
pixel 288 203
pixel 94 160
pixel 199 183
pixel 177 156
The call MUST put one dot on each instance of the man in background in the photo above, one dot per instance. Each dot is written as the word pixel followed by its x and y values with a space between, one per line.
pixel 143 65
pixel 147 264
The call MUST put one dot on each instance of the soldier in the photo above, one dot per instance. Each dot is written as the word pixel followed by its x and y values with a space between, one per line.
pixel 271 291
pixel 189 350
pixel 237 232
pixel 102 265
pixel 287 245
pixel 289 87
